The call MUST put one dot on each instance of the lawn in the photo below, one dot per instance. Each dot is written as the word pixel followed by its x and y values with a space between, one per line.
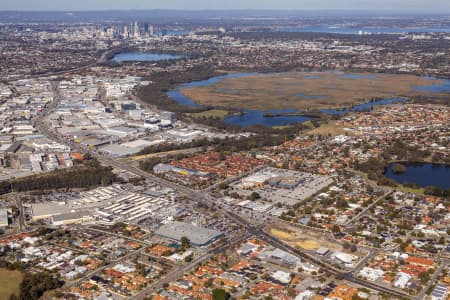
pixel 9 283
pixel 417 191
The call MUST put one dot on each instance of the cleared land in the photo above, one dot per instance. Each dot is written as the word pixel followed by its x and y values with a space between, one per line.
pixel 301 238
pixel 292 238
pixel 9 283
pixel 328 129
pixel 305 90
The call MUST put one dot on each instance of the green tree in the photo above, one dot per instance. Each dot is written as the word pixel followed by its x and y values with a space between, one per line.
pixel 185 243
pixel 223 186
pixel 254 196
pixel 34 285
pixel 424 277
pixel 220 294
pixel 336 229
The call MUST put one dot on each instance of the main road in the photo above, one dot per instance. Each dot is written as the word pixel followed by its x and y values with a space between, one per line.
pixel 205 199
pixel 257 231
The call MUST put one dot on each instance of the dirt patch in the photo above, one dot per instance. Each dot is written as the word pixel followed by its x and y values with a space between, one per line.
pixel 308 245
pixel 302 238
pixel 9 283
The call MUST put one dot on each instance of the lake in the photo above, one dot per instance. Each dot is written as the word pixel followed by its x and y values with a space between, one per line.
pixel 181 99
pixel 423 174
pixel 142 57
pixel 363 106
pixel 257 117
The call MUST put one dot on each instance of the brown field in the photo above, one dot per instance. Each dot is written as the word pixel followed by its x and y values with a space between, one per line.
pixel 301 238
pixel 9 283
pixel 279 90
pixel 328 129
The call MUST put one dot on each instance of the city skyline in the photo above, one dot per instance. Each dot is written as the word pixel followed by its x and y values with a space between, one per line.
pixel 84 5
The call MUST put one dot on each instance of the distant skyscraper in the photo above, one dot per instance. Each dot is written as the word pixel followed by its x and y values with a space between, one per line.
pixel 135 29
pixel 150 30
pixel 125 31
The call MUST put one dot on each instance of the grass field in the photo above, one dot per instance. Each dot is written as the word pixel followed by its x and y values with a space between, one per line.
pixel 9 283
pixel 304 91
pixel 417 191
pixel 328 129
pixel 215 113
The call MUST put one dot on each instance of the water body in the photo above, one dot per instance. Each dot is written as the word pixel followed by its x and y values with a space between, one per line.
pixel 312 97
pixel 181 99
pixel 359 76
pixel 257 117
pixel 142 57
pixel 423 174
pixel 365 30
pixel 363 106
pixel 312 77
pixel 435 88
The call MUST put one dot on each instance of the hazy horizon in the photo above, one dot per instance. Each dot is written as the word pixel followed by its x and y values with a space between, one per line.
pixel 433 6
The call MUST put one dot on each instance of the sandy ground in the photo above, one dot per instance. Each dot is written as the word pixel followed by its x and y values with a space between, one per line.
pixel 301 238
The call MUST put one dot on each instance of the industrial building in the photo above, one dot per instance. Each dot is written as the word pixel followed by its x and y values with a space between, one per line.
pixel 198 236
pixel 79 217
pixel 107 205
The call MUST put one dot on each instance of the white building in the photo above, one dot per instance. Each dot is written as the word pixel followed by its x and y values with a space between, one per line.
pixel 371 274
pixel 402 280
pixel 281 276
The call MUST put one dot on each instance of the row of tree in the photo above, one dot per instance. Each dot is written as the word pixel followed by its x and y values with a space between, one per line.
pixel 88 174
pixel 225 145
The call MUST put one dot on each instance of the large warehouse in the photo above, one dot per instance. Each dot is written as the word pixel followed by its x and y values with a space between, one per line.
pixel 197 235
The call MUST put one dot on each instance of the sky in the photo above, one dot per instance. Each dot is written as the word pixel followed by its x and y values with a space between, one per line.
pixel 48 5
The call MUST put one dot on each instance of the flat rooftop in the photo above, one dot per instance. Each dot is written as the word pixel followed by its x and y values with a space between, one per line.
pixel 50 208
pixel 197 235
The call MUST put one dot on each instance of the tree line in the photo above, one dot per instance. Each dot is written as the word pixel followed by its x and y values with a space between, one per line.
pixel 225 145
pixel 162 82
pixel 88 174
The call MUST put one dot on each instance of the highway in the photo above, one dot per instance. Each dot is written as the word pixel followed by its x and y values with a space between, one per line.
pixel 256 231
